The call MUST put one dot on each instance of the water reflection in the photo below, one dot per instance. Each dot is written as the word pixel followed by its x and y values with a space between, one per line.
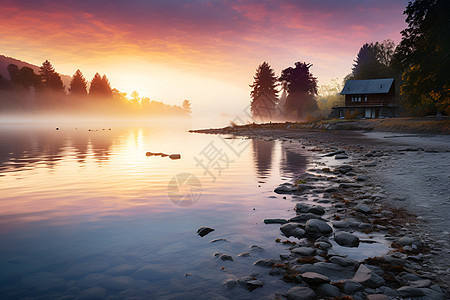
pixel 262 157
pixel 293 160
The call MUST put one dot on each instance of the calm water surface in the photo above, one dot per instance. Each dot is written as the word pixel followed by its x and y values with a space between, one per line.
pixel 85 213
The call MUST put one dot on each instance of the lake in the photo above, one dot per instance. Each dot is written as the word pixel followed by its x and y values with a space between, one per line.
pixel 85 213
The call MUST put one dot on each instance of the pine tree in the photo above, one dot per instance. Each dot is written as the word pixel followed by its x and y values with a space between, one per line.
pixel 78 85
pixel 187 107
pixel 301 87
pixel 50 79
pixel 264 92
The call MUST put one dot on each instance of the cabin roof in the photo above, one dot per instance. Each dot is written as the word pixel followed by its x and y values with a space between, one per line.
pixel 367 86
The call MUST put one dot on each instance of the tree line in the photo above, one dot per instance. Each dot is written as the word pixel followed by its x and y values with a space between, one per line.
pixel 420 64
pixel 28 91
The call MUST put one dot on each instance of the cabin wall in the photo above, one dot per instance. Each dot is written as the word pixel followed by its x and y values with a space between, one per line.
pixel 371 99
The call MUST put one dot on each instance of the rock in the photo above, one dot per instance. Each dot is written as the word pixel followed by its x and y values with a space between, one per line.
pixel 303 187
pixel 408 291
pixel 431 294
pixel 410 277
pixel 225 257
pixel 351 287
pixel 303 208
pixel 318 210
pixel 268 263
pixel 371 164
pixel 362 178
pixel 406 241
pixel 218 240
pixel 364 208
pixel 346 239
pixel 255 283
pixel 230 283
pixel 286 188
pixel 344 261
pixel 344 169
pixel 327 290
pixel 292 229
pixel 175 156
pixel 349 185
pixel 304 251
pixel 341 156
pixel 202 231
pixel 366 277
pixel 388 291
pixel 313 278
pixel 377 297
pixel 250 282
pixel 424 283
pixel 301 293
pixel 317 228
pixel 333 271
pixel 256 248
pixel 93 293
pixel 340 224
pixel 244 254
pixel 333 153
pixel 275 221
pixel 322 245
pixel 302 218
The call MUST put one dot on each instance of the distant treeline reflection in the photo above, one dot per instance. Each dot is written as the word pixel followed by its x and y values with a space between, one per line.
pixel 27 91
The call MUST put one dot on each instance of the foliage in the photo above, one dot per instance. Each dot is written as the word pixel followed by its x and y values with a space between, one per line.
pixel 78 85
pixel 423 56
pixel 100 87
pixel 264 92
pixel 373 61
pixel 329 96
pixel 50 79
pixel 186 107
pixel 301 88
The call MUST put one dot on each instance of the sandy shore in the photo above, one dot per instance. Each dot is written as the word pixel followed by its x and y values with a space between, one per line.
pixel 403 179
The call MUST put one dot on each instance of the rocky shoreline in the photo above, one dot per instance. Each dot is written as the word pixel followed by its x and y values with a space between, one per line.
pixel 351 208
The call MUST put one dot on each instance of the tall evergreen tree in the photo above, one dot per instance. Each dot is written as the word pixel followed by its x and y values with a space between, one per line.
pixel 186 107
pixel 78 85
pixel 50 79
pixel 368 63
pixel 301 87
pixel 26 78
pixel 100 87
pixel 13 71
pixel 423 56
pixel 264 92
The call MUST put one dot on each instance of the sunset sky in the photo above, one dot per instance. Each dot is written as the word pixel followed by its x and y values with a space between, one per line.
pixel 204 51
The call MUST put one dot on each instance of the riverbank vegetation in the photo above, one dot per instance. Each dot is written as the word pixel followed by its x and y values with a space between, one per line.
pixel 25 91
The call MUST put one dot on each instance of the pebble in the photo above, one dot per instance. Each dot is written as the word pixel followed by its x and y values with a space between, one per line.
pixel 301 293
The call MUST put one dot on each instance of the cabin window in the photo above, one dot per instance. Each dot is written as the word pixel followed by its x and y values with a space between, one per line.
pixel 365 98
pixel 359 98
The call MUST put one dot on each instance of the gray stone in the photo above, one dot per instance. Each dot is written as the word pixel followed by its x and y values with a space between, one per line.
pixel 316 209
pixel 371 164
pixel 202 231
pixel 388 291
pixel 341 156
pixel 346 239
pixel 410 277
pixel 305 251
pixel 317 228
pixel 256 283
pixel 244 254
pixel 378 297
pixel 230 283
pixel 367 277
pixel 275 221
pixel 225 257
pixel 327 290
pixel 292 229
pixel 340 224
pixel 218 240
pixel 364 208
pixel 301 293
pixel 407 241
pixel 302 208
pixel 344 261
pixel 264 263
pixel 304 217
pixel 286 188
pixel 333 271
pixel 362 178
pixel 256 248
pixel 313 278
pixel 431 294
pixel 351 287
pixel 408 291
pixel 334 153
pixel 424 283
pixel 322 245
pixel 344 169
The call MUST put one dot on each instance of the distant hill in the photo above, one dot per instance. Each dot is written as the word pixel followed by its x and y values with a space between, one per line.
pixel 5 61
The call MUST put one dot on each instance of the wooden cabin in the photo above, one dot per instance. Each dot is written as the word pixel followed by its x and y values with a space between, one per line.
pixel 369 98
